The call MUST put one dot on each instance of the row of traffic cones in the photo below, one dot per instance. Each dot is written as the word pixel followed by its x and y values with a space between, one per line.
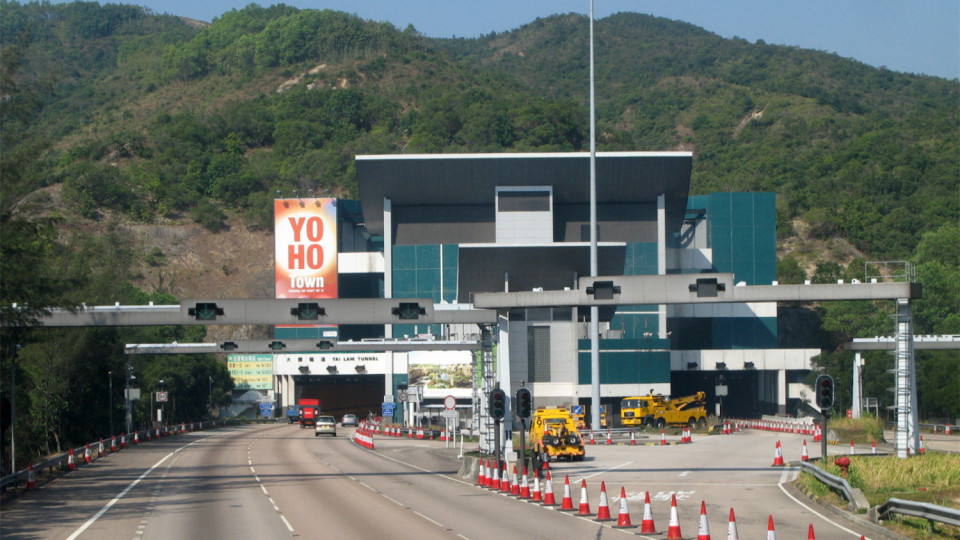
pixel 686 437
pixel 647 526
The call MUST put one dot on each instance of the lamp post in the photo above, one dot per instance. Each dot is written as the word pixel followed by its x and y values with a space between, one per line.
pixel 110 382
pixel 594 310
pixel 210 392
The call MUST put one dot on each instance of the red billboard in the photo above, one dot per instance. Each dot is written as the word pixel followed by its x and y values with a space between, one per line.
pixel 305 254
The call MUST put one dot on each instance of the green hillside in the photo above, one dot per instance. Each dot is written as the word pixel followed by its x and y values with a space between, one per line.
pixel 122 133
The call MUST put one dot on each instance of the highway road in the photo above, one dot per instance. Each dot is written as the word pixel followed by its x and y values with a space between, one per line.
pixel 279 481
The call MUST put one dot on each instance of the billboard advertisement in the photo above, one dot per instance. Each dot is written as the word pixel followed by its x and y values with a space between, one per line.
pixel 305 247
pixel 442 373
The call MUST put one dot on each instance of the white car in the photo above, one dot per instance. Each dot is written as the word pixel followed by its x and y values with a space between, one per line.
pixel 326 425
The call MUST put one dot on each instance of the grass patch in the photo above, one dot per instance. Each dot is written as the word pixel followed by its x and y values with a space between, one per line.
pixel 930 478
pixel 858 430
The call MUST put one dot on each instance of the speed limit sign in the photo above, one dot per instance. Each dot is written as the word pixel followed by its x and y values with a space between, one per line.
pixel 449 402
pixel 403 396
pixel 161 397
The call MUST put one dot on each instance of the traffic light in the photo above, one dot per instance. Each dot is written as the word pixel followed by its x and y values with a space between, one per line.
pixel 308 311
pixel 824 389
pixel 205 311
pixel 408 311
pixel 277 345
pixel 498 403
pixel 524 403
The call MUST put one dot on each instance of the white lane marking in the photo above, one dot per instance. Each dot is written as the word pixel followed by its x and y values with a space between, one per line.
pixel 368 486
pixel 789 474
pixel 394 501
pixel 287 523
pixel 598 473
pixel 823 517
pixel 126 490
pixel 437 523
pixel 684 473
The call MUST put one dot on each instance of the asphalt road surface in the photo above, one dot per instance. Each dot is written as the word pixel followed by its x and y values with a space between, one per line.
pixel 279 481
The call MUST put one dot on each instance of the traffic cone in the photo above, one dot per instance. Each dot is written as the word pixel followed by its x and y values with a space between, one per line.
pixel 546 461
pixel 584 503
pixel 778 456
pixel 647 526
pixel 673 530
pixel 496 477
pixel 536 496
pixel 853 449
pixel 921 450
pixel 488 479
pixel 147 435
pixel 592 440
pixel 113 443
pixel 623 518
pixel 31 479
pixel 100 451
pixel 548 499
pixel 771 534
pixel 732 527
pixel 810 535
pixel 633 440
pixel 663 437
pixel 703 532
pixel 86 454
pixel 804 456
pixel 504 479
pixel 873 447
pixel 603 508
pixel 947 430
pixel 524 486
pixel 123 440
pixel 71 462
pixel 566 504
pixel 818 434
pixel 481 476
pixel 514 484
pixel 609 440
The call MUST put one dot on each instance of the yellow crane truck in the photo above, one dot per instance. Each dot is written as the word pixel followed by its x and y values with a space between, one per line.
pixel 658 411
pixel 554 433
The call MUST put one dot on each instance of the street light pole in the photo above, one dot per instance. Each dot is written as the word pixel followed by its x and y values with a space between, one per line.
pixel 594 310
pixel 210 390
pixel 110 381
pixel 129 415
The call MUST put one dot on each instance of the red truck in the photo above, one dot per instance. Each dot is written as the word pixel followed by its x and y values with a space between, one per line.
pixel 309 409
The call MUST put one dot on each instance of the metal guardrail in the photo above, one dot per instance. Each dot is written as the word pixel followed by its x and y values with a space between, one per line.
pixel 840 484
pixel 60 461
pixel 928 511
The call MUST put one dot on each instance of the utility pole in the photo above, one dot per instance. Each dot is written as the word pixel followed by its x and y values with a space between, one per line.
pixel 110 381
pixel 129 416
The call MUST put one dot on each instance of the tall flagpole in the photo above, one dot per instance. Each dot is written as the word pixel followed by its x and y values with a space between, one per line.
pixel 594 310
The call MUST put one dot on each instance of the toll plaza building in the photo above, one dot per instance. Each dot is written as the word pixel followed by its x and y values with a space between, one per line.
pixel 446 227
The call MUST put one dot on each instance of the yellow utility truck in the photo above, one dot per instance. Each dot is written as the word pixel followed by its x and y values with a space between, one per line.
pixel 658 411
pixel 554 433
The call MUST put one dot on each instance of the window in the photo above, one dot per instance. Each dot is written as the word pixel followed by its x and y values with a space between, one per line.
pixel 523 201
pixel 538 353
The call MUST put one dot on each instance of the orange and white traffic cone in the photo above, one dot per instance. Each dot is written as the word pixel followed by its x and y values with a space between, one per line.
pixel 810 535
pixel 818 434
pixel 771 534
pixel 584 502
pixel 113 443
pixel 482 475
pixel 123 440
pixel 778 456
pixel 673 529
pixel 647 526
pixel 732 527
pixel 703 532
pixel 548 498
pixel 524 486
pixel 566 504
pixel 609 440
pixel 921 450
pixel 633 440
pixel 86 454
pixel 31 479
pixel 147 435
pixel 592 440
pixel 71 462
pixel 536 496
pixel 623 518
pixel 853 449
pixel 514 484
pixel 504 479
pixel 495 482
pixel 873 448
pixel 663 437
pixel 603 508
pixel 100 449
pixel 804 456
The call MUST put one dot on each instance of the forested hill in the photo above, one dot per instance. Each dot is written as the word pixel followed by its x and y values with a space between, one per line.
pixel 113 112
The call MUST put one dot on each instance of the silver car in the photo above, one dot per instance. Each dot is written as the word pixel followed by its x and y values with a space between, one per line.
pixel 326 425
pixel 349 420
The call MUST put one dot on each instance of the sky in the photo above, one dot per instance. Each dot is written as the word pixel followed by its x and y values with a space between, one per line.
pixel 917 36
